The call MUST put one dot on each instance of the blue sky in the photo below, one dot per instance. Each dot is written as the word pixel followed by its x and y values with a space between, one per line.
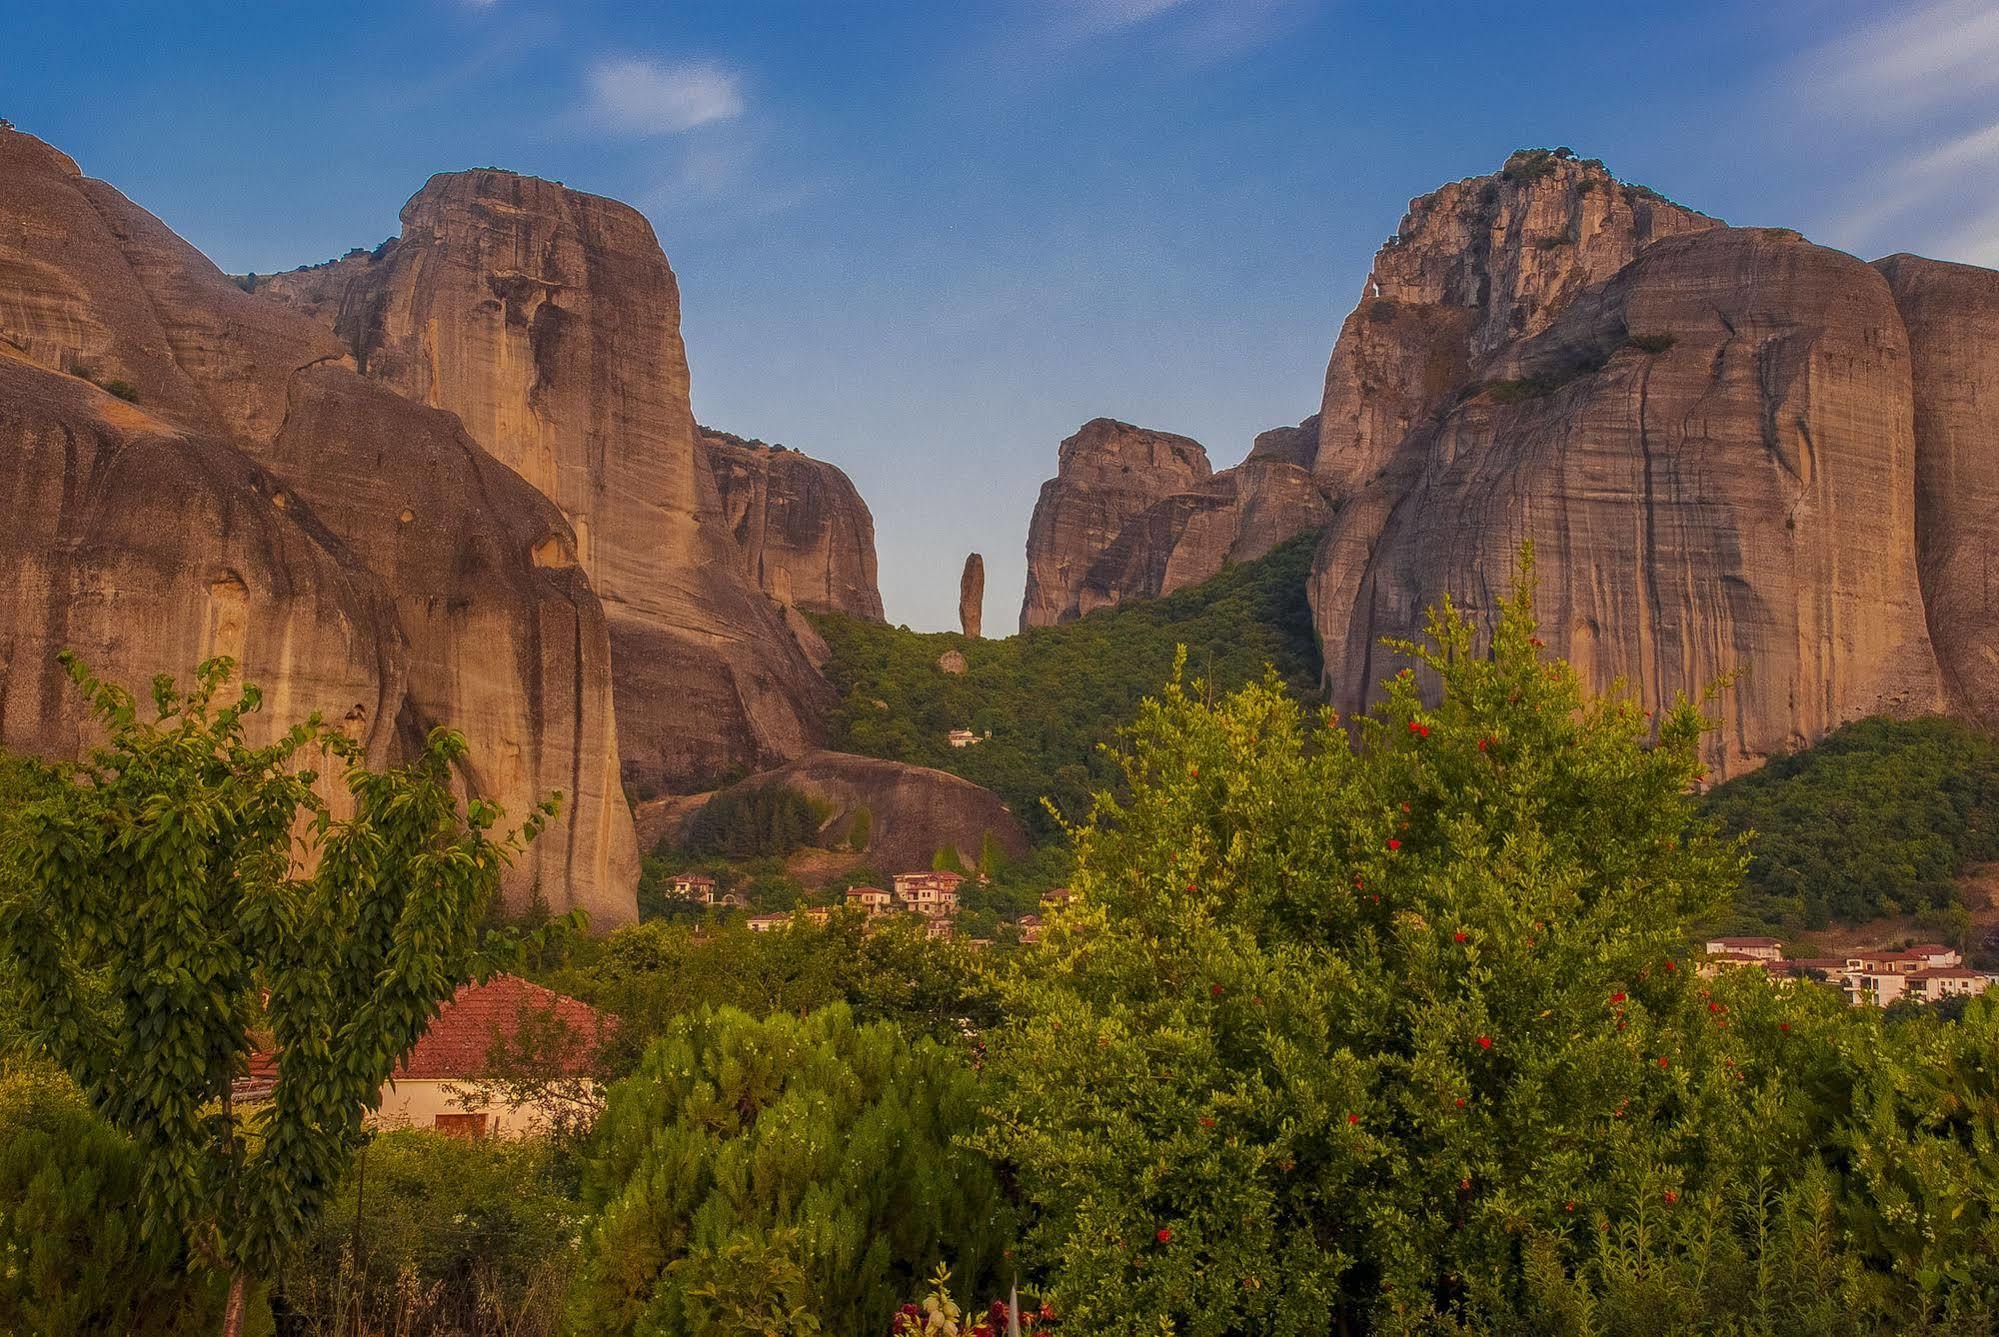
pixel 928 240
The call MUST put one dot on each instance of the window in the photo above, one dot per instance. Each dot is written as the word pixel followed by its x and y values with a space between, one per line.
pixel 462 1125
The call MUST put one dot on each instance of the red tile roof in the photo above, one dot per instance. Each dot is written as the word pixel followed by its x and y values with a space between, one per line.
pixel 460 1037
pixel 1746 942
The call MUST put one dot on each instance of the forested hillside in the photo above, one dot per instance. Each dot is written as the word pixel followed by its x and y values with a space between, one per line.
pixel 1050 695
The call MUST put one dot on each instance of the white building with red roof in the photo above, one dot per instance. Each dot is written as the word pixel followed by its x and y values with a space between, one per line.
pixel 934 893
pixel 445 1081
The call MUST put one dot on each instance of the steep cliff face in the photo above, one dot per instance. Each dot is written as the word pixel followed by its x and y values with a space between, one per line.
pixel 358 553
pixel 806 538
pixel 1952 316
pixel 548 321
pixel 1715 458
pixel 1474 264
pixel 1113 525
pixel 1109 472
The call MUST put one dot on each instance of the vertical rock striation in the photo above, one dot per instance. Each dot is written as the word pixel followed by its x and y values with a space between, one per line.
pixel 806 538
pixel 548 321
pixel 248 494
pixel 1951 313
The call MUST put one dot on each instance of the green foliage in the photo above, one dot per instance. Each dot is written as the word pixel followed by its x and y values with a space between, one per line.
pixel 861 829
pixel 73 1260
pixel 1328 1027
pixel 474 1236
pixel 150 904
pixel 1879 818
pixel 124 390
pixel 757 821
pixel 1051 695
pixel 784 1175
pixel 651 974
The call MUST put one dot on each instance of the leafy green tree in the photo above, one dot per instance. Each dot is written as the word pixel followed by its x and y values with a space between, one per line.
pixel 154 907
pixel 73 1257
pixel 787 1175
pixel 1331 1028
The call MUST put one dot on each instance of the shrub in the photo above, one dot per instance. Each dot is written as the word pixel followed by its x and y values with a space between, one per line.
pixel 472 1236
pixel 76 1261
pixel 124 390
pixel 784 1167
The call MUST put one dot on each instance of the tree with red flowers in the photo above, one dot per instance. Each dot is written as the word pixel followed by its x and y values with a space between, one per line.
pixel 1340 1016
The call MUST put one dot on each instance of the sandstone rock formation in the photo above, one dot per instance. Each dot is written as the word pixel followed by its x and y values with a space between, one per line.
pixel 247 493
pixel 913 810
pixel 1136 541
pixel 1712 450
pixel 1109 473
pixel 806 537
pixel 951 662
pixel 972 596
pixel 548 321
pixel 1951 313
pixel 1474 264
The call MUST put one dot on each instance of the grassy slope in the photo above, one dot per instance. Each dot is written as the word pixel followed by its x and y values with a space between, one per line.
pixel 1051 695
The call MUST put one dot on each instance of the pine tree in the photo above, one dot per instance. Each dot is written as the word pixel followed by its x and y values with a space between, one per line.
pixel 756 1168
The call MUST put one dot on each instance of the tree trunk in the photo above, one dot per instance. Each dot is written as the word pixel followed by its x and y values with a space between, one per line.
pixel 232 1313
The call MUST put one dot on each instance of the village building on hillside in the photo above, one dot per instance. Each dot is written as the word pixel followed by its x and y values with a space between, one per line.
pixel 1926 972
pixel 765 923
pixel 694 887
pixel 1030 928
pixel 871 901
pixel 1761 949
pixel 934 894
pixel 1055 897
pixel 964 738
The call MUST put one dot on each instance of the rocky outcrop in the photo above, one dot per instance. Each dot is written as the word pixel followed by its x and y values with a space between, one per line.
pixel 548 321
pixel 1951 313
pixel 1475 264
pixel 1714 456
pixel 806 537
pixel 1175 539
pixel 1109 473
pixel 972 596
pixel 913 811
pixel 246 493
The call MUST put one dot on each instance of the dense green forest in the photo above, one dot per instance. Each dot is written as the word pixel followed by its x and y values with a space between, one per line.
pixel 1878 819
pixel 1051 695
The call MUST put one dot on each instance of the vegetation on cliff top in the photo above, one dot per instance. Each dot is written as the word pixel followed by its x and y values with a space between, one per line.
pixel 1051 695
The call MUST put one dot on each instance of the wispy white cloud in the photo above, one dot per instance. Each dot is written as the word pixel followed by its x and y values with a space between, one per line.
pixel 1078 20
pixel 634 96
pixel 1912 89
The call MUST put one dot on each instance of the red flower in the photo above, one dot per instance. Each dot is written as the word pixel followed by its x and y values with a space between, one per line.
pixel 1617 997
pixel 1215 990
pixel 1569 1206
pixel 1191 770
pixel 1662 1065
pixel 1459 936
pixel 1714 1007
pixel 1671 966
pixel 1207 1122
pixel 1394 844
pixel 1785 1027
pixel 1163 1235
pixel 1485 1042
pixel 1464 1184
pixel 1353 1118
pixel 1481 745
pixel 1535 641
pixel 1671 1197
pixel 1461 1102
